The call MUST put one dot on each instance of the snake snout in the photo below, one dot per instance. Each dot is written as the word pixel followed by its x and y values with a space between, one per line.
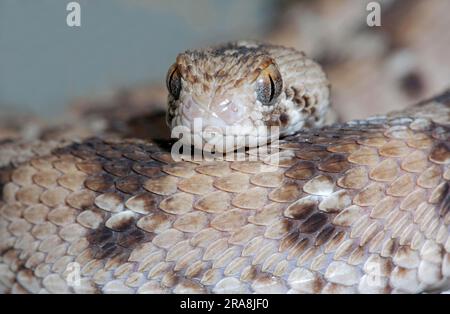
pixel 221 112
pixel 227 109
pixel 192 110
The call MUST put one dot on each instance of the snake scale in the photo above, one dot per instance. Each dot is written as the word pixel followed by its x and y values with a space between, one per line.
pixel 356 207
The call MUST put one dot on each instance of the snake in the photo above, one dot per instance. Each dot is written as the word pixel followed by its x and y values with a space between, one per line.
pixel 355 207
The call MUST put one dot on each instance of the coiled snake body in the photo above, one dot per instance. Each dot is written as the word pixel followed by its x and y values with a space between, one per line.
pixel 355 207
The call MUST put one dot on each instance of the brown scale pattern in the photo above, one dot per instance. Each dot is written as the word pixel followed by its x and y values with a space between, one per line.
pixel 359 207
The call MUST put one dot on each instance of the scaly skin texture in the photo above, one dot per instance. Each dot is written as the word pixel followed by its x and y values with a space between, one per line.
pixel 219 85
pixel 358 207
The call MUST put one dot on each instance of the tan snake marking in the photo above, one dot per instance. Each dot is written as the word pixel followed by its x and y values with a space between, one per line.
pixel 355 207
pixel 241 89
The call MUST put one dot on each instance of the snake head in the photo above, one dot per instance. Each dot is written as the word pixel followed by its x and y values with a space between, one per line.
pixel 240 94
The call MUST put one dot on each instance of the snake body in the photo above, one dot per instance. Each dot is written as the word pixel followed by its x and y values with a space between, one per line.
pixel 362 206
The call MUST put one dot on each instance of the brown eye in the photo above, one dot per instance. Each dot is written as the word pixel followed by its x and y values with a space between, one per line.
pixel 173 81
pixel 269 85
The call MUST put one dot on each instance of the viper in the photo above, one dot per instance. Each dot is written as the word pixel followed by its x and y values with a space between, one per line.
pixel 356 207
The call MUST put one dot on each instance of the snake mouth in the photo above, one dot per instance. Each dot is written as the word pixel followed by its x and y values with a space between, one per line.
pixel 220 112
pixel 220 126
pixel 205 135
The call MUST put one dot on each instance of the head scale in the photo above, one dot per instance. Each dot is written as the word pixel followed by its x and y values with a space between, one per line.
pixel 239 90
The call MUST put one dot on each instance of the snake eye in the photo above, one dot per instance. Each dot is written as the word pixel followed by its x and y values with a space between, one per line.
pixel 269 85
pixel 173 81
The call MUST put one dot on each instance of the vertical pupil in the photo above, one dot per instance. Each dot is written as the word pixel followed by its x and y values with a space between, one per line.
pixel 272 88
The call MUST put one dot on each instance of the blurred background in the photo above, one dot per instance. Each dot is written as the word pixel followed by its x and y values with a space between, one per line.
pixel 45 64
pixel 110 71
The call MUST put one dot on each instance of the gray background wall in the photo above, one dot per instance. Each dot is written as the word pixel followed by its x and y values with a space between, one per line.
pixel 44 64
